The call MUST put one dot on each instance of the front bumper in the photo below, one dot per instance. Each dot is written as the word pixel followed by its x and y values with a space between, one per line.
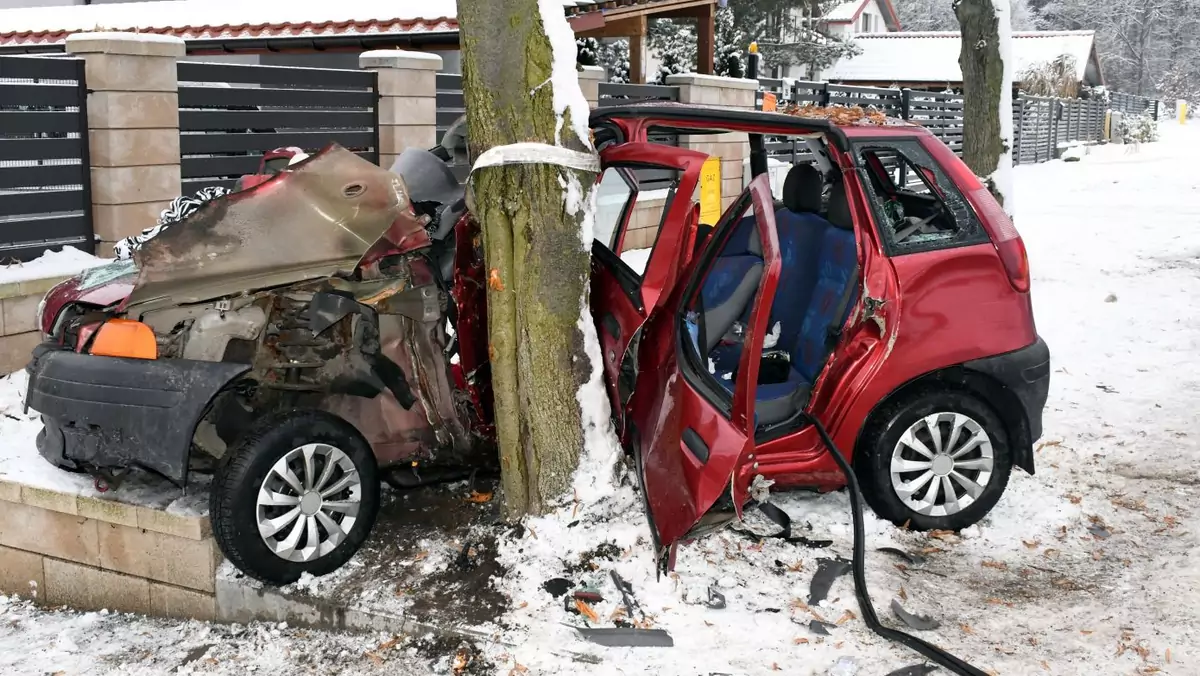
pixel 108 413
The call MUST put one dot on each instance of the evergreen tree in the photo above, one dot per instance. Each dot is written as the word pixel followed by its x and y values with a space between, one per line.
pixel 589 51
pixel 614 57
pixel 731 44
pixel 791 33
pixel 675 43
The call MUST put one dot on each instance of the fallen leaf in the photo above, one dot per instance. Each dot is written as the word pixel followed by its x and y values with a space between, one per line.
pixel 587 611
pixel 903 594
pixel 839 645
pixel 480 497
pixel 931 550
pixel 1050 553
pixel 1045 665
pixel 775 666
pixel 846 617
pixel 1168 655
pixel 998 565
pixel 796 567
pixel 388 644
pixel 518 668
pixel 421 555
pixel 461 661
pixel 1075 499
pixel 1087 632
pixel 1032 545
pixel 494 281
pixel 904 526
pixel 942 534
pixel 966 628
pixel 374 658
pixel 532 532
pixel 800 641
pixel 524 604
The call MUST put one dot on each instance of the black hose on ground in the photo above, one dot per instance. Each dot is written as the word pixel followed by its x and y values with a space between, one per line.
pixel 858 567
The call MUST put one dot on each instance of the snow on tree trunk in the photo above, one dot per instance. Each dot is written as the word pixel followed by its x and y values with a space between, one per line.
pixel 520 85
pixel 987 68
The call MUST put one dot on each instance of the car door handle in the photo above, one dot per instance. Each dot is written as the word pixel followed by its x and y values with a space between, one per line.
pixel 696 445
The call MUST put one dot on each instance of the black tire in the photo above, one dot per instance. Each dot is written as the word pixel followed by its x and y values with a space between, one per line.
pixel 233 501
pixel 873 458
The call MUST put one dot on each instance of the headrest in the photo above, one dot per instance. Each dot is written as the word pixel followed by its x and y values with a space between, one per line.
pixel 802 189
pixel 839 208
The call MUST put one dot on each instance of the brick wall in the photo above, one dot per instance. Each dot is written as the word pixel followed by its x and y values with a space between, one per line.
pixel 89 553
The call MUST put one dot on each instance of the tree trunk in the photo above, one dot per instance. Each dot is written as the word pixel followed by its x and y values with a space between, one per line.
pixel 987 93
pixel 537 266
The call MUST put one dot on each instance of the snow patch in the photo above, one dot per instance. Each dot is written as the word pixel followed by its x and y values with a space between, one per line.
pixel 1002 177
pixel 65 263
pixel 564 78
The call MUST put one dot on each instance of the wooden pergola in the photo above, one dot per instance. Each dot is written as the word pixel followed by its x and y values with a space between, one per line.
pixel 629 19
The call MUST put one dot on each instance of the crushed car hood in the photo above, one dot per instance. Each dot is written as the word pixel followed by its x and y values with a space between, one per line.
pixel 315 220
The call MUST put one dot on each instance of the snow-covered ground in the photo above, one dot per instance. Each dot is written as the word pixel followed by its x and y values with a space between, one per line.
pixel 1089 567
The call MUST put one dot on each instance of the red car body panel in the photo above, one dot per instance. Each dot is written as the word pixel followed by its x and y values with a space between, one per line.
pixel 681 487
pixel 916 301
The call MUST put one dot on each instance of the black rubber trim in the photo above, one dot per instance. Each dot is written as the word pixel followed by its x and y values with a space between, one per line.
pixel 113 413
pixel 1026 372
pixel 858 567
pixel 696 445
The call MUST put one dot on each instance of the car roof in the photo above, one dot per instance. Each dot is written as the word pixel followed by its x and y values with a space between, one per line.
pixel 738 119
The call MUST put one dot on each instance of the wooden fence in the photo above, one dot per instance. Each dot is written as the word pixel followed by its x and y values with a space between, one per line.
pixel 45 179
pixel 230 114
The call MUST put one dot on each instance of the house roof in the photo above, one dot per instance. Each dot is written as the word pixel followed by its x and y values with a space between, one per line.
pixel 933 56
pixel 848 12
pixel 197 20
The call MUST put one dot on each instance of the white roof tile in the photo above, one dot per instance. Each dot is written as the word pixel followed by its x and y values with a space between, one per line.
pixel 933 56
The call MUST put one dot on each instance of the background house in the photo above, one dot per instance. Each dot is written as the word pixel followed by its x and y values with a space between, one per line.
pixel 861 16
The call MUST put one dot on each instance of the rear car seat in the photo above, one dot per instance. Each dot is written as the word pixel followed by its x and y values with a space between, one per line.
pixel 818 259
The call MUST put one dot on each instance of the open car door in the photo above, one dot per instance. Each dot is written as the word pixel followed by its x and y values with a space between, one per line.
pixel 688 430
pixel 623 296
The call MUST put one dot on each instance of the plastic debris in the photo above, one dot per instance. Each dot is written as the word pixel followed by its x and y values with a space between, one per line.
pixel 828 570
pixel 918 622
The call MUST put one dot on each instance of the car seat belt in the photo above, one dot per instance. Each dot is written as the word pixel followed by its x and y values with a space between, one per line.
pixel 835 329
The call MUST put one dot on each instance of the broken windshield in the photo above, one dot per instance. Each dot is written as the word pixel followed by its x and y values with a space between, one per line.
pixel 314 220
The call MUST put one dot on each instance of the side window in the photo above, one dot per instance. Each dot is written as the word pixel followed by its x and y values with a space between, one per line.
pixel 630 209
pixel 916 205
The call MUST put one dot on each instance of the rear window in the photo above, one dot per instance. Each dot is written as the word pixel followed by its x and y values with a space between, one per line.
pixel 916 206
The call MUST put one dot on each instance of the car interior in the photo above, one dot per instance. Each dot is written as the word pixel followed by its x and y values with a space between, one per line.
pixel 911 200
pixel 817 282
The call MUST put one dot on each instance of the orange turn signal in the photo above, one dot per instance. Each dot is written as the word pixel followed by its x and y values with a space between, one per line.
pixel 125 338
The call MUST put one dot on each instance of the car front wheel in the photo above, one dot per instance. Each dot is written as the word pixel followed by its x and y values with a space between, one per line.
pixel 297 494
pixel 938 460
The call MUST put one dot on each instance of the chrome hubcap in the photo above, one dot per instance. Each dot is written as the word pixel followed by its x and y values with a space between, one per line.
pixel 942 464
pixel 308 502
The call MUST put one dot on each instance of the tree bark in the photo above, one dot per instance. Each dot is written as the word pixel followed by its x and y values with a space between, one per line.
pixel 537 266
pixel 987 87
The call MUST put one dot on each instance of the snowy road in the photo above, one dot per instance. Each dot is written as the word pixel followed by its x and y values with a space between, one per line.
pixel 1090 567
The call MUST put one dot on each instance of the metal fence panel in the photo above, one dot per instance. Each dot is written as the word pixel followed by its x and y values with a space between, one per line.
pixel 230 114
pixel 45 176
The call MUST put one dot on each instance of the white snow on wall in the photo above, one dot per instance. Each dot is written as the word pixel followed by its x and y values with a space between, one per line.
pixel 933 56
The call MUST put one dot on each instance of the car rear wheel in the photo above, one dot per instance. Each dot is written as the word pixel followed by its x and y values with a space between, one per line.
pixel 297 494
pixel 938 460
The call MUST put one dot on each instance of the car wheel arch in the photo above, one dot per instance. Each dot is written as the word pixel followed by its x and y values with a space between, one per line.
pixel 1005 403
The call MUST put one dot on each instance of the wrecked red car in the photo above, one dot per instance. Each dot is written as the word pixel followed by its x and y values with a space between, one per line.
pixel 328 324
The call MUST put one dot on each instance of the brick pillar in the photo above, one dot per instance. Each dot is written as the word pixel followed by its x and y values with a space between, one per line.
pixel 733 149
pixel 589 81
pixel 133 128
pixel 407 99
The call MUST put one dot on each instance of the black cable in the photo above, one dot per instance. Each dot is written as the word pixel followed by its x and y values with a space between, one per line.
pixel 858 567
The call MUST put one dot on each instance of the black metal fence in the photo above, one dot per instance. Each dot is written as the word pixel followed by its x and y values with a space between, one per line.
pixel 230 114
pixel 1131 104
pixel 45 177
pixel 1041 126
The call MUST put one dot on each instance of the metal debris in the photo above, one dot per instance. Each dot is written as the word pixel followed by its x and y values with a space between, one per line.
pixel 630 637
pixel 918 622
